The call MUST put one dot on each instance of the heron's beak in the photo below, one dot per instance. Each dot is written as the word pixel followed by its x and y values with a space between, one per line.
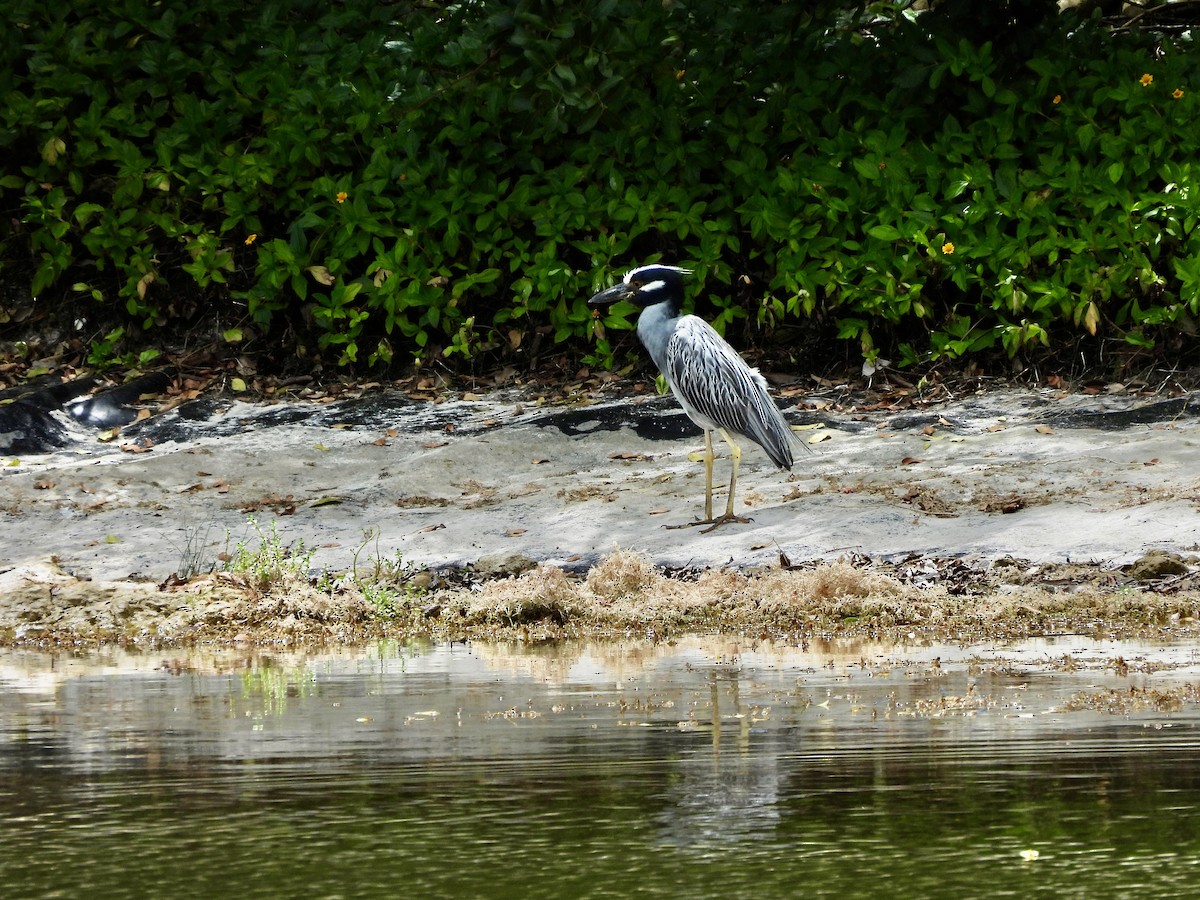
pixel 613 294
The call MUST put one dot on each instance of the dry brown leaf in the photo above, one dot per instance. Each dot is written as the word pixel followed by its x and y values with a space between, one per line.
pixel 43 485
pixel 1005 505
pixel 910 461
pixel 1043 429
pixel 321 274
pixel 514 532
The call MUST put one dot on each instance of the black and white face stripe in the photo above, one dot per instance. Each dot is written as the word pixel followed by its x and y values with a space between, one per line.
pixel 646 286
pixel 652 280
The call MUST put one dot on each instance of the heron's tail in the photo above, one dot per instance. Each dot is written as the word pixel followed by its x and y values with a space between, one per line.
pixel 775 436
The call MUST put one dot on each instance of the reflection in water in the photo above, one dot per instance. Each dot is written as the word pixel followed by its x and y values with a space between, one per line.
pixel 599 769
pixel 727 791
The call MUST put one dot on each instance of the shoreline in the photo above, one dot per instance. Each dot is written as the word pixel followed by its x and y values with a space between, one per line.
pixel 625 595
pixel 986 514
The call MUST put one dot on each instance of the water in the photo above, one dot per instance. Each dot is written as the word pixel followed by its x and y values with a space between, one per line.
pixel 705 768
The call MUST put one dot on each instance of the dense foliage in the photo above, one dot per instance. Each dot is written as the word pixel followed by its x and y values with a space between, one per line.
pixel 363 181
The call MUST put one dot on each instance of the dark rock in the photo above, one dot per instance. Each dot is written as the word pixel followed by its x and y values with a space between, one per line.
pixel 113 407
pixel 25 428
pixel 500 564
pixel 28 426
pixel 1157 564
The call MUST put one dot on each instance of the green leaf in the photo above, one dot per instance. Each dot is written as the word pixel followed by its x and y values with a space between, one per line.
pixel 866 168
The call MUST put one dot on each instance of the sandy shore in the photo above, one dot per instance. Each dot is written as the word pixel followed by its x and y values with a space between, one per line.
pixel 984 495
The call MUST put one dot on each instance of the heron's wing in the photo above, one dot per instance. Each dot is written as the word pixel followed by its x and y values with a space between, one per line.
pixel 711 379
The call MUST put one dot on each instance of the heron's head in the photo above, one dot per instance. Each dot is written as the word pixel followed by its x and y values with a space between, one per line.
pixel 646 286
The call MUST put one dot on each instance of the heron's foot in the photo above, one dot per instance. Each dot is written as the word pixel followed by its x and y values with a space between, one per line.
pixel 713 524
pixel 716 523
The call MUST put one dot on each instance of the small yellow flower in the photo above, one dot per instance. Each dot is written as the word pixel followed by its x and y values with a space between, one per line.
pixel 341 196
pixel 679 75
pixel 1057 99
pixel 948 248
pixel 1177 93
pixel 1147 80
pixel 250 239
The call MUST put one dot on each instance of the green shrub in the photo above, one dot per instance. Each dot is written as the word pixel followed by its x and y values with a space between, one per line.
pixel 405 180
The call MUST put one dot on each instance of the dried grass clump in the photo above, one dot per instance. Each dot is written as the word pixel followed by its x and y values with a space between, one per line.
pixel 623 575
pixel 291 606
pixel 836 580
pixel 826 586
pixel 543 593
pixel 828 594
pixel 304 603
pixel 626 591
pixel 723 584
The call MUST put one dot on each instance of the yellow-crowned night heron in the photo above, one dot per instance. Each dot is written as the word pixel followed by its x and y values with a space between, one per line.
pixel 712 383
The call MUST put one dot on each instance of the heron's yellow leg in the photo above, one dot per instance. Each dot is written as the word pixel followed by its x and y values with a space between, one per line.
pixel 735 453
pixel 708 470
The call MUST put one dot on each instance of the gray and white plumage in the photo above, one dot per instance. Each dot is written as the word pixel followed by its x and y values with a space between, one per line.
pixel 713 384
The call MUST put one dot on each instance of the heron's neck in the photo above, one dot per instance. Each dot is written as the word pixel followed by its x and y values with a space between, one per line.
pixel 655 326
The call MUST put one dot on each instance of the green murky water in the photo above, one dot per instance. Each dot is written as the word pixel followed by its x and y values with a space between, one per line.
pixel 699 769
